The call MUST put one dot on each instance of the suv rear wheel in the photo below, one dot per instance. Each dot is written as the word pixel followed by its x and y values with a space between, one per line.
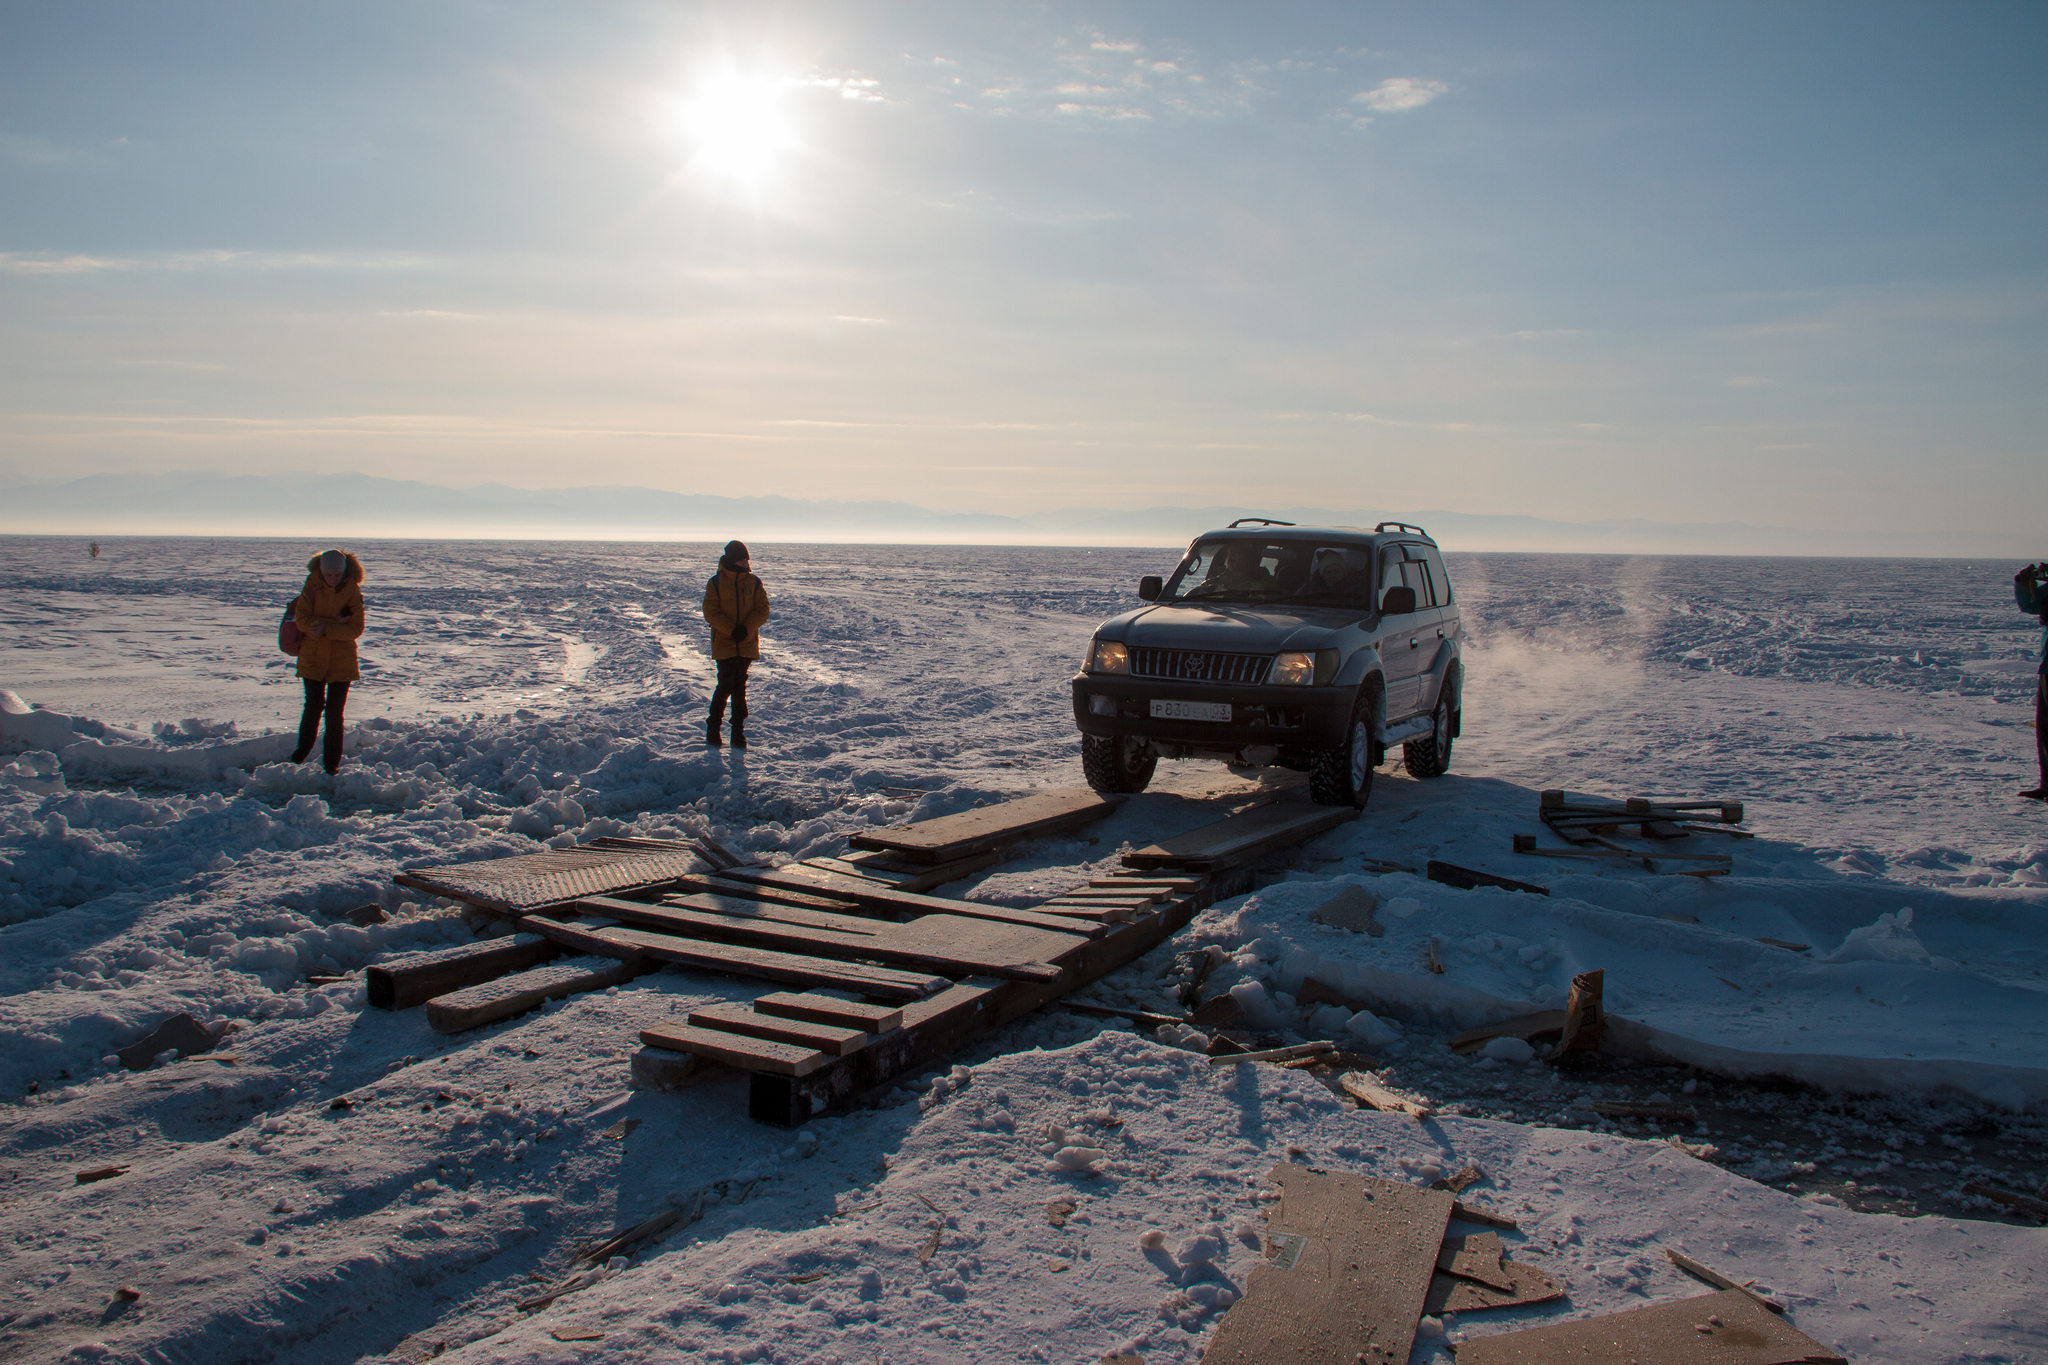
pixel 1430 756
pixel 1117 764
pixel 1343 776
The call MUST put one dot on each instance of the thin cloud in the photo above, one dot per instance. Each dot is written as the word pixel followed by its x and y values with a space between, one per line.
pixel 76 263
pixel 1399 94
pixel 1748 381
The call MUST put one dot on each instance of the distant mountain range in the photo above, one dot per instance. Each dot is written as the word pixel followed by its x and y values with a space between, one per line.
pixel 357 505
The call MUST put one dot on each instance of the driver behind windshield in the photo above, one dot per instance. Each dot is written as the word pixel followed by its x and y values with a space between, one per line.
pixel 1238 569
pixel 1330 573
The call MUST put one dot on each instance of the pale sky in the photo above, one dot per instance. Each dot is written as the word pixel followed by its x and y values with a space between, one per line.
pixel 1781 264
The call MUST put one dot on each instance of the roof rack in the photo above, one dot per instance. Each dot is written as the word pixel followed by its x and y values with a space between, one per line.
pixel 1256 521
pixel 1400 526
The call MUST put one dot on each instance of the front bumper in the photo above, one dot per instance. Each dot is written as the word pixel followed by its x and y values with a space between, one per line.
pixel 1291 717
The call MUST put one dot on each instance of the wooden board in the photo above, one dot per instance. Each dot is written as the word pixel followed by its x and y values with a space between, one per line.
pixel 1449 1294
pixel 577 938
pixel 1526 1027
pixel 419 977
pixel 1091 914
pixel 474 1006
pixel 830 1009
pixel 951 837
pixel 1358 1252
pixel 832 1039
pixel 534 880
pixel 1378 1097
pixel 1240 838
pixel 1469 879
pixel 794 969
pixel 1475 1256
pixel 893 871
pixel 1134 899
pixel 749 1054
pixel 1156 883
pixel 719 884
pixel 881 899
pixel 1662 1334
pixel 940 943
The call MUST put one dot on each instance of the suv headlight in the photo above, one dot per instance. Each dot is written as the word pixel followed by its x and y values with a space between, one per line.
pixel 1109 656
pixel 1294 668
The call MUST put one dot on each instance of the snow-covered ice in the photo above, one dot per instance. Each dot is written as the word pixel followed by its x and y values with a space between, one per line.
pixel 157 857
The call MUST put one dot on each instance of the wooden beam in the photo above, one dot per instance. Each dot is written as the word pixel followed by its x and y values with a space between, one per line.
pixel 487 1003
pixel 874 896
pixel 1467 879
pixel 419 977
pixel 891 871
pixel 940 943
pixel 830 1009
pixel 1240 838
pixel 760 1055
pixel 952 837
pixel 793 969
pixel 1728 1328
pixel 835 1040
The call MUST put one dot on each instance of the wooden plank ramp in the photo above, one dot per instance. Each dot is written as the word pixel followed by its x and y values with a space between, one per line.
pixel 953 837
pixel 533 881
pixel 873 896
pixel 763 964
pixel 891 870
pixel 1238 839
pixel 419 977
pixel 487 1003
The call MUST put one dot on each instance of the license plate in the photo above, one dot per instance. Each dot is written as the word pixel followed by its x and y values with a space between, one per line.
pixel 1190 710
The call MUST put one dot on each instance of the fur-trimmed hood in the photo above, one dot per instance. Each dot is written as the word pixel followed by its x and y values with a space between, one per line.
pixel 353 573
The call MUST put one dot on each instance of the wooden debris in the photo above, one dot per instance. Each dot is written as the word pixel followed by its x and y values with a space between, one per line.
pixel 419 977
pixel 1361 1253
pixel 180 1033
pixel 99 1173
pixel 1642 1109
pixel 474 1006
pixel 1240 838
pixel 127 1293
pixel 2012 1199
pixel 951 837
pixel 1382 866
pixel 579 938
pixel 1713 1329
pixel 1468 879
pixel 833 1039
pixel 576 1334
pixel 902 875
pixel 1142 1018
pixel 617 1243
pixel 1470 1213
pixel 1462 1181
pixel 795 969
pixel 1352 909
pixel 621 1129
pixel 1377 1097
pixel 1717 1279
pixel 1475 1256
pixel 363 916
pixel 1526 1027
pixel 1434 957
pixel 1790 947
pixel 830 1009
pixel 1217 1012
pixel 1278 1054
pixel 1585 1024
pixel 1449 1294
pixel 1058 1211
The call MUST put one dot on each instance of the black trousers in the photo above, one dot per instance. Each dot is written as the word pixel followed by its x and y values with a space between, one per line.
pixel 732 684
pixel 2041 726
pixel 322 698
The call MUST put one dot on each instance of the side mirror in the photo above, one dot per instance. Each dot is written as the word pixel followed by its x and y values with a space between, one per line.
pixel 1398 601
pixel 1150 586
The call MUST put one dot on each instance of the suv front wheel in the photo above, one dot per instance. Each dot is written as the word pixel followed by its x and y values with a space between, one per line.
pixel 1117 763
pixel 1343 776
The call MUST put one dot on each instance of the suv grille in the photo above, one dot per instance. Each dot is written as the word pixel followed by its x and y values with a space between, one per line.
pixel 1200 665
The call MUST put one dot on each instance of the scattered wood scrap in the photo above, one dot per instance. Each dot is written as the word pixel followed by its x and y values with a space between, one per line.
pixel 99 1173
pixel 180 1033
pixel 1468 879
pixel 1475 1256
pixel 1504 1283
pixel 1358 1260
pixel 1379 1097
pixel 1789 947
pixel 1462 1181
pixel 1717 1279
pixel 1485 1217
pixel 1278 1054
pixel 1727 1328
pixel 1528 1028
pixel 1240 838
pixel 1590 825
pixel 2012 1199
pixel 1585 1022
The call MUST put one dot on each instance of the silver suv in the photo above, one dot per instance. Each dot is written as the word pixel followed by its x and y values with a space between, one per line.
pixel 1306 647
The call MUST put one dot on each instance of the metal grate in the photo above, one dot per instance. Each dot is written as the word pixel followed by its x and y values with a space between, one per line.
pixel 1200 665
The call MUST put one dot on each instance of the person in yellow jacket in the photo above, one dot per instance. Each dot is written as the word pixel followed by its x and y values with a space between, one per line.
pixel 329 613
pixel 736 605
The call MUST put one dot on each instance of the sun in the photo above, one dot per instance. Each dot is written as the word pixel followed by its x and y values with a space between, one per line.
pixel 738 126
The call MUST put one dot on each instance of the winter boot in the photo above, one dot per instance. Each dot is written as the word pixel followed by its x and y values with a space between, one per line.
pixel 739 736
pixel 711 734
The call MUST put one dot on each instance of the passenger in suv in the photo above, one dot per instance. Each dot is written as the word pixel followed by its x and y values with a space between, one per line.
pixel 1310 648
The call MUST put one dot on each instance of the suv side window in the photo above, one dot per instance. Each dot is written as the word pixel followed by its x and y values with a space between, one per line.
pixel 1416 577
pixel 1390 574
pixel 1437 577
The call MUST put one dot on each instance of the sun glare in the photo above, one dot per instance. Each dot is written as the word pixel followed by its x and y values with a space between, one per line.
pixel 738 126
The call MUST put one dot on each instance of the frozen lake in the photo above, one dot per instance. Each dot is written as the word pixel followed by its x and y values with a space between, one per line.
pixel 1874 717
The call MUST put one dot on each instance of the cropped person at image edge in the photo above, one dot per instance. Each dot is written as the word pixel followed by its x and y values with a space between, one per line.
pixel 2032 595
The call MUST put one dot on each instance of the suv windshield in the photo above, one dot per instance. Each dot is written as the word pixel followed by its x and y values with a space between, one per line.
pixel 1242 569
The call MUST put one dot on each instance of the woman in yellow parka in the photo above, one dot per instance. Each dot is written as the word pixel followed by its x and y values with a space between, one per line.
pixel 329 613
pixel 736 605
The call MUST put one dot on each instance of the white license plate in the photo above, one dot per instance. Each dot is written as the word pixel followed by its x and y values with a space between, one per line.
pixel 1190 710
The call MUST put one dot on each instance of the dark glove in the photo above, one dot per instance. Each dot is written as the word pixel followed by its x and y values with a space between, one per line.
pixel 739 634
